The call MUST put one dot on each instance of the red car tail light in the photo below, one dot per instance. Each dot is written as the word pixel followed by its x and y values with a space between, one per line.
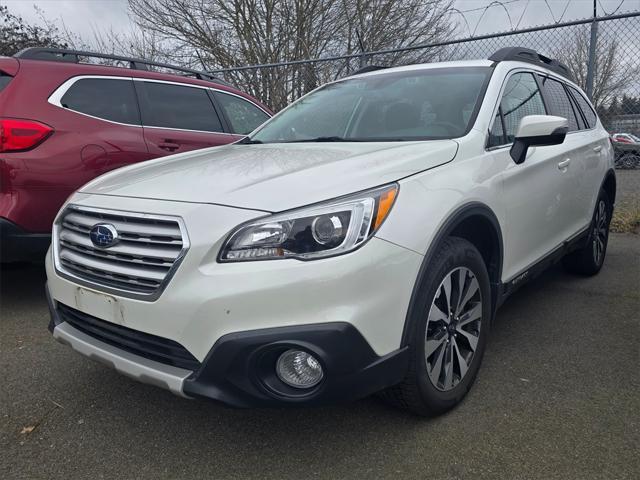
pixel 17 135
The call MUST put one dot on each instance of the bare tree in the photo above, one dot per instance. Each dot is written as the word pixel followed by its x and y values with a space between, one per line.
pixel 17 34
pixel 231 33
pixel 372 25
pixel 612 74
pixel 137 43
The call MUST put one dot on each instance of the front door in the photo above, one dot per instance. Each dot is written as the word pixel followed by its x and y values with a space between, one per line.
pixel 537 193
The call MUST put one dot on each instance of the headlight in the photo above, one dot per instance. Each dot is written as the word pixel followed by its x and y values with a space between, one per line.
pixel 313 232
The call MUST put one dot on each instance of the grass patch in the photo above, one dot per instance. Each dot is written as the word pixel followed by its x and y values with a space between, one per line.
pixel 626 220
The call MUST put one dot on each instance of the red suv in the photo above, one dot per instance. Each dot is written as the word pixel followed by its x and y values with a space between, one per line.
pixel 64 121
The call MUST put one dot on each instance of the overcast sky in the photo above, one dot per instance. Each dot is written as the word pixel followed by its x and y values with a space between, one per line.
pixel 84 16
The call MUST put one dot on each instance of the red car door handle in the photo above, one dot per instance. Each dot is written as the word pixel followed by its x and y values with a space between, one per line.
pixel 169 146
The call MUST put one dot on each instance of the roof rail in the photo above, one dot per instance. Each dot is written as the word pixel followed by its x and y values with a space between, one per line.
pixel 367 69
pixel 521 54
pixel 74 56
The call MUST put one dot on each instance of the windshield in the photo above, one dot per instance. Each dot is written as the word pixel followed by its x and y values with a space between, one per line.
pixel 411 105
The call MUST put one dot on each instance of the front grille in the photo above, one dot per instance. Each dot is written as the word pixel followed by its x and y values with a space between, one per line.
pixel 147 253
pixel 149 346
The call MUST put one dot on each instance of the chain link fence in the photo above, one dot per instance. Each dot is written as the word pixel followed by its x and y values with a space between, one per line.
pixel 607 68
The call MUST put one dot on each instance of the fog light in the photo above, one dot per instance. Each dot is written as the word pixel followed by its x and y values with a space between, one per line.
pixel 299 369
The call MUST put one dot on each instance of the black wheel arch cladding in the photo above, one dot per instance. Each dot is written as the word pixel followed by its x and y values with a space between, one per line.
pixel 461 223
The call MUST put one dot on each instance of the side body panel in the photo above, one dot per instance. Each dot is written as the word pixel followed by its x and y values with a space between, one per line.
pixel 167 141
pixel 35 183
pixel 538 205
pixel 80 149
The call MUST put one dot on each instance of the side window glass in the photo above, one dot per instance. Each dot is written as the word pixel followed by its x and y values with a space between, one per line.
pixel 243 116
pixel 110 99
pixel 176 106
pixel 521 97
pixel 576 110
pixel 558 101
pixel 496 134
pixel 587 111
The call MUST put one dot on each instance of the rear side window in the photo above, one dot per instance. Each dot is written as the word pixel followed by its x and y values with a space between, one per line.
pixel 558 102
pixel 109 99
pixel 175 106
pixel 243 116
pixel 520 98
pixel 4 80
pixel 587 111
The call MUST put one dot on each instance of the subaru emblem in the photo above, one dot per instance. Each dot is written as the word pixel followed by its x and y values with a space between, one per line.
pixel 103 235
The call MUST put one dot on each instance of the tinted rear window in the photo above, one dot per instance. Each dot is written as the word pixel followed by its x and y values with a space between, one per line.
pixel 558 102
pixel 109 99
pixel 174 106
pixel 587 111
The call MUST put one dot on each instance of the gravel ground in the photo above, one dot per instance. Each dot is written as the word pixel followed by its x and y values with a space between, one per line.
pixel 628 188
pixel 556 398
pixel 626 218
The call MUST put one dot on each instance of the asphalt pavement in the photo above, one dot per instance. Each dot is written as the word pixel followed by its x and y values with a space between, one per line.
pixel 558 397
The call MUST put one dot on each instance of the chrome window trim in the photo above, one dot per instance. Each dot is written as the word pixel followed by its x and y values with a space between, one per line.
pixel 55 99
pixel 150 297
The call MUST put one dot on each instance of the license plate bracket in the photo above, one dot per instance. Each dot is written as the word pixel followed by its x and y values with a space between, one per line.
pixel 98 305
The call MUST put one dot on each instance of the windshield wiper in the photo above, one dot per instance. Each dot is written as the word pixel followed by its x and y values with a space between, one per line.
pixel 249 141
pixel 323 139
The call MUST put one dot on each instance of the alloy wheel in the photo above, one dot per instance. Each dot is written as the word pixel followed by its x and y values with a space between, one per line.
pixel 453 328
pixel 630 160
pixel 600 232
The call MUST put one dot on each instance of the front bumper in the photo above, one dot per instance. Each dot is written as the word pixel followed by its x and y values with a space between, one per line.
pixel 238 370
pixel 349 310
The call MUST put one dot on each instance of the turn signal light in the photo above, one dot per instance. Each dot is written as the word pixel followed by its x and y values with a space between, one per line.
pixel 18 135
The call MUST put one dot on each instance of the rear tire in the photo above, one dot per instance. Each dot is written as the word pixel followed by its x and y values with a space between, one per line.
pixel 589 259
pixel 449 325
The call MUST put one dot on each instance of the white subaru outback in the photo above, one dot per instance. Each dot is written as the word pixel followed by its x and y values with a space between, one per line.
pixel 358 242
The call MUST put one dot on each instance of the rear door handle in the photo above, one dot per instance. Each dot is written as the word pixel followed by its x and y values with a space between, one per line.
pixel 564 164
pixel 169 146
pixel 597 149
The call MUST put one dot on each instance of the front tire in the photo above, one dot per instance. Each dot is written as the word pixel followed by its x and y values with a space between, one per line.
pixel 590 258
pixel 449 325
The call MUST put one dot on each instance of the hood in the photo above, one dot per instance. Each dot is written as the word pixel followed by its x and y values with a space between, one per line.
pixel 273 177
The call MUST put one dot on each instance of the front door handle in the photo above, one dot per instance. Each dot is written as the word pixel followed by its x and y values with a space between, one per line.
pixel 597 149
pixel 564 164
pixel 169 146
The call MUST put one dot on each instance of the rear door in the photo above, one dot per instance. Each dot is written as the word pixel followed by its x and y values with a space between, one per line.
pixel 575 148
pixel 112 136
pixel 178 118
pixel 594 159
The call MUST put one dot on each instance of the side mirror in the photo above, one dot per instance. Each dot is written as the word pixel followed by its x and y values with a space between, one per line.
pixel 538 131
